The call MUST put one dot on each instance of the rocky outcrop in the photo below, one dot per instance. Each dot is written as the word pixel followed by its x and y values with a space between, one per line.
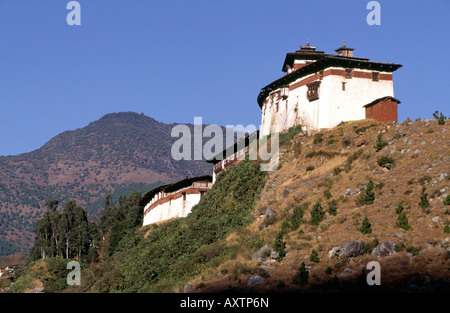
pixel 386 248
pixel 352 249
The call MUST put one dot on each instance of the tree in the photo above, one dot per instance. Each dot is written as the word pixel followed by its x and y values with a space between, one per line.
pixel 314 256
pixel 380 143
pixel 366 227
pixel 423 199
pixel 279 246
pixel 403 221
pixel 332 207
pixel 440 117
pixel 369 196
pixel 302 275
pixel 317 214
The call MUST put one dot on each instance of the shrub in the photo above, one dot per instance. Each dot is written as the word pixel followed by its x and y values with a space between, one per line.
pixel 327 194
pixel 332 207
pixel 399 208
pixel 447 229
pixel 318 138
pixel 302 275
pixel 403 221
pixel 317 214
pixel 423 199
pixel 329 270
pixel 385 159
pixel 369 196
pixel 366 227
pixel 447 200
pixel 279 246
pixel 413 250
pixel 314 256
pixel 440 117
pixel 310 168
pixel 380 143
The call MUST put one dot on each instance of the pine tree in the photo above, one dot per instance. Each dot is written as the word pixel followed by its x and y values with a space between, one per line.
pixel 380 143
pixel 302 275
pixel 317 214
pixel 423 199
pixel 279 246
pixel 369 197
pixel 366 227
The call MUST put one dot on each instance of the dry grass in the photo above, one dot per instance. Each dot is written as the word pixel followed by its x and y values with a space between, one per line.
pixel 403 183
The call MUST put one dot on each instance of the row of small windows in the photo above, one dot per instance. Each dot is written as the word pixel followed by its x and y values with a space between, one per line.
pixel 313 88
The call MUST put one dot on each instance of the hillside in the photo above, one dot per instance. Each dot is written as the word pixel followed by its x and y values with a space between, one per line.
pixel 117 154
pixel 253 230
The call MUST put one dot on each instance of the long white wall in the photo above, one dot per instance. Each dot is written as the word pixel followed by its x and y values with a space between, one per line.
pixel 171 209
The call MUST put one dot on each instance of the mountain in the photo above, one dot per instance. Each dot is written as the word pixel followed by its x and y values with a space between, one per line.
pixel 117 154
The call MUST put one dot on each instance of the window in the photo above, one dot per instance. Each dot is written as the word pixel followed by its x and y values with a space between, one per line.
pixel 348 73
pixel 276 106
pixel 375 76
pixel 343 85
pixel 313 91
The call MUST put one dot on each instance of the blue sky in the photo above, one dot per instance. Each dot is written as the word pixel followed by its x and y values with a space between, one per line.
pixel 173 60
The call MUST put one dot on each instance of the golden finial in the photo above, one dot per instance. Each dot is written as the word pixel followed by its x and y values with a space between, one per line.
pixel 344 44
pixel 307 43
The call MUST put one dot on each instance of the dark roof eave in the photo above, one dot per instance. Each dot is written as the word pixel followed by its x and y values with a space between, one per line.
pixel 172 187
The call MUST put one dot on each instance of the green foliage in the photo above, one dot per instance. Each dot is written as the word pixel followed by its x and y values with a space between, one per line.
pixel 366 227
pixel 302 275
pixel 440 117
pixel 360 130
pixel 385 159
pixel 318 138
pixel 286 137
pixel 447 200
pixel 327 154
pixel 327 194
pixel 279 246
pixel 447 229
pixel 413 250
pixel 176 251
pixel 294 220
pixel 317 214
pixel 399 209
pixel 403 221
pixel 369 246
pixel 369 196
pixel 332 207
pixel 328 270
pixel 314 256
pixel 380 143
pixel 423 199
pixel 310 168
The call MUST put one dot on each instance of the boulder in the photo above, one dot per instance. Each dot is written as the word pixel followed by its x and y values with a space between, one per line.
pixel 187 288
pixel 352 249
pixel 274 255
pixel 255 280
pixel 346 141
pixel 386 248
pixel 389 166
pixel 269 214
pixel 333 252
pixel 262 253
